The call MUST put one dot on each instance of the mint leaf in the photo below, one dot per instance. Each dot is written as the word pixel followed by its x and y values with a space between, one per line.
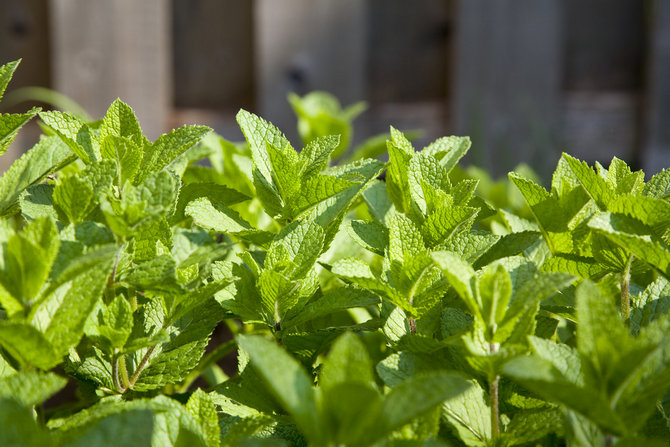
pixel 167 148
pixel 120 121
pixel 28 257
pixel 27 345
pixel 658 186
pixel 10 125
pixel 42 159
pixel 29 387
pixel 287 381
pixel 202 408
pixel 6 72
pixel 73 132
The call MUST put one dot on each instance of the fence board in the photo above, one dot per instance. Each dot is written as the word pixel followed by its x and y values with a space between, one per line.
pixel 108 49
pixel 507 83
pixel 657 140
pixel 305 45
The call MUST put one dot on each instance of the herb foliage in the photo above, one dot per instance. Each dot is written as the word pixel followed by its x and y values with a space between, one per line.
pixel 398 312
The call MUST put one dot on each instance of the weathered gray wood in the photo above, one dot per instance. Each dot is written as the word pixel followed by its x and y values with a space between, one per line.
pixel 506 90
pixel 603 44
pixel 601 125
pixel 305 45
pixel 657 138
pixel 107 49
pixel 213 53
pixel 24 35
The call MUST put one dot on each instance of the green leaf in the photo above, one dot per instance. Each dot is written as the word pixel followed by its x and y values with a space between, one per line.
pixel 167 148
pixel 157 274
pixel 28 257
pixel 128 156
pixel 172 361
pixel 658 186
pixel 378 202
pixel 134 427
pixel 260 133
pixel 359 272
pixel 64 325
pixel 400 154
pixel 627 234
pixel 301 243
pixel 314 190
pixel 469 415
pixel 45 157
pixel 10 125
pixel 20 427
pixel 317 153
pixel 287 381
pixel 202 408
pixel 595 185
pixel 165 421
pixel 470 245
pixel 117 320
pixel 519 318
pixel 445 222
pixel 120 121
pixel 30 387
pixel 218 217
pixel 448 150
pixel 461 276
pixel 601 335
pixel 6 73
pixel 27 345
pixel 543 378
pixel 37 201
pixel 72 131
pixel 508 245
pixel 418 395
pixel 77 195
pixel 493 291
pixel 622 179
pixel 332 301
pixel 575 265
pixel 369 235
pixel 405 240
pixel 215 193
pixel 348 362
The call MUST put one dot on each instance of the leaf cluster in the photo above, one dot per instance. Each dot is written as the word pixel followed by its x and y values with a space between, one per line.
pixel 370 303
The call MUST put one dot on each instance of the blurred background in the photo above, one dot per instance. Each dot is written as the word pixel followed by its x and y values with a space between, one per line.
pixel 526 79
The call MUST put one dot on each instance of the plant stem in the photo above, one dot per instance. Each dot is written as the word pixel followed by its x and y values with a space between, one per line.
pixel 115 375
pixel 493 398
pixel 412 325
pixel 124 372
pixel 140 367
pixel 625 292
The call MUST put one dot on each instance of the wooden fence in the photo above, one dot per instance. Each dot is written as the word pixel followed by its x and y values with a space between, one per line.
pixel 526 79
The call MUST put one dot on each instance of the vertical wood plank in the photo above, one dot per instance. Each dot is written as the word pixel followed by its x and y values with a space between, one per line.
pixel 24 34
pixel 305 45
pixel 506 91
pixel 108 49
pixel 213 54
pixel 657 139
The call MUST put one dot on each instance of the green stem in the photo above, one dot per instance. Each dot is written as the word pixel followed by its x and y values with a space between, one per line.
pixel 124 372
pixel 115 375
pixel 625 291
pixel 140 367
pixel 494 382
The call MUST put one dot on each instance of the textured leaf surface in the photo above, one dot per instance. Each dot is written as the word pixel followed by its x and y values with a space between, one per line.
pixel 287 380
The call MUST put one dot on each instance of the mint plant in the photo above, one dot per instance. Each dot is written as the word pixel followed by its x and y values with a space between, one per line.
pixel 369 303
